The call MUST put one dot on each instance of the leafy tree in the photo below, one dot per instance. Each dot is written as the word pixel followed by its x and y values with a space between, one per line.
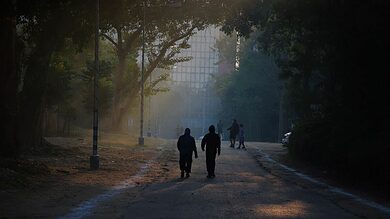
pixel 36 30
pixel 168 26
pixel 10 78
pixel 332 55
pixel 250 94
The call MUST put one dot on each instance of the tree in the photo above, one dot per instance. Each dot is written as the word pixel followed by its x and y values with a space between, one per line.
pixel 42 30
pixel 332 55
pixel 251 93
pixel 8 69
pixel 168 27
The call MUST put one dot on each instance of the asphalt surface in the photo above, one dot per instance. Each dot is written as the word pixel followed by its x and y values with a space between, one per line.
pixel 242 189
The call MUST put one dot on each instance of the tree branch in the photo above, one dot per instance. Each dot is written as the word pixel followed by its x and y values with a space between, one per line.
pixel 165 48
pixel 110 39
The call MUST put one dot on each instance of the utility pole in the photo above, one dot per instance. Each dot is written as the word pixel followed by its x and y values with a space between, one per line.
pixel 141 139
pixel 94 159
pixel 150 107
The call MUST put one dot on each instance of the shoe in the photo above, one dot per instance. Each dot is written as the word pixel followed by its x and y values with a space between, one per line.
pixel 182 174
pixel 208 176
pixel 238 148
pixel 213 176
pixel 187 175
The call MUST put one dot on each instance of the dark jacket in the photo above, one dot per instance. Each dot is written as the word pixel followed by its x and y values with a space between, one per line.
pixel 212 143
pixel 186 145
pixel 234 129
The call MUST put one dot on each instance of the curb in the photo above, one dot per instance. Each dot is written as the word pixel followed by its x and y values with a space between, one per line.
pixel 350 202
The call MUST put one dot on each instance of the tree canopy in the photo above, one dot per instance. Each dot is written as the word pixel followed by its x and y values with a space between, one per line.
pixel 332 55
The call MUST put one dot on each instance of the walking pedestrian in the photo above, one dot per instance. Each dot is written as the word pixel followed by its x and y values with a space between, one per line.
pixel 233 133
pixel 186 146
pixel 241 137
pixel 212 142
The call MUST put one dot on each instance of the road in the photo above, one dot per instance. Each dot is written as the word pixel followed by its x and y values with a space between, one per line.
pixel 241 189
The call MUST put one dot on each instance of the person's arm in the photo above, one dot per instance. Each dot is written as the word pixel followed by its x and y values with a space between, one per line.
pixel 194 148
pixel 219 146
pixel 203 142
pixel 179 144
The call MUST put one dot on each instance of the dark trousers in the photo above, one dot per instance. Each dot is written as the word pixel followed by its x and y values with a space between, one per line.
pixel 210 163
pixel 185 162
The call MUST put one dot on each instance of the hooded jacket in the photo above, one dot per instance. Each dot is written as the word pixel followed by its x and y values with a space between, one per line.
pixel 186 144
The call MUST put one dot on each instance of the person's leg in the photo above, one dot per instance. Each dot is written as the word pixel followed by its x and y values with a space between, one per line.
pixel 241 142
pixel 209 162
pixel 182 163
pixel 188 165
pixel 212 165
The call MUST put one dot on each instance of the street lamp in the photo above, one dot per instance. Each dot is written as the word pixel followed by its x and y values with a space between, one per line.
pixel 149 134
pixel 141 139
pixel 94 158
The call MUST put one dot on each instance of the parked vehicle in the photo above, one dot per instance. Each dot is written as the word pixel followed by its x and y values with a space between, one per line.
pixel 285 138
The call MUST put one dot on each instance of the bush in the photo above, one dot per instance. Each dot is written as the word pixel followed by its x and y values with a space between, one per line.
pixel 351 152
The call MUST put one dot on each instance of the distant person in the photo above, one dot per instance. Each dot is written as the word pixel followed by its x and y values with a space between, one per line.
pixel 186 145
pixel 241 137
pixel 234 128
pixel 220 128
pixel 213 146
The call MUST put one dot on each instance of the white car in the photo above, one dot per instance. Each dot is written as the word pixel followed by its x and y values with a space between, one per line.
pixel 285 138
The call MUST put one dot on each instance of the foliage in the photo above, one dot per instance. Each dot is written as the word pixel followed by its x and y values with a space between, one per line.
pixel 332 56
pixel 104 85
pixel 250 94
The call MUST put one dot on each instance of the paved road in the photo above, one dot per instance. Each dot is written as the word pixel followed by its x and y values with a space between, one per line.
pixel 241 189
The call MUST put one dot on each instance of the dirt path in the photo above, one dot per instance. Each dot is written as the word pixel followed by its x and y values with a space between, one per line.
pixel 144 183
pixel 70 182
pixel 242 189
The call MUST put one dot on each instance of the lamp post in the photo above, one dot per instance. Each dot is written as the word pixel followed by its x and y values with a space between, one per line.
pixel 150 107
pixel 94 159
pixel 141 139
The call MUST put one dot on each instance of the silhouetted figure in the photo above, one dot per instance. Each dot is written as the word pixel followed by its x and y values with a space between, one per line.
pixel 213 146
pixel 186 145
pixel 241 137
pixel 233 133
pixel 220 128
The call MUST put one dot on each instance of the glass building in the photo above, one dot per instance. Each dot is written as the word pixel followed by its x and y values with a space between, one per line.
pixel 194 102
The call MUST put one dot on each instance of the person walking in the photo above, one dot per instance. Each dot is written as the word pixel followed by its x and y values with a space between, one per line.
pixel 186 146
pixel 220 128
pixel 233 133
pixel 241 137
pixel 212 142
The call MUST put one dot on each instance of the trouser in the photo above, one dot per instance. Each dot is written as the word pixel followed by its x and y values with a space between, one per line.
pixel 210 163
pixel 232 140
pixel 185 162
pixel 241 142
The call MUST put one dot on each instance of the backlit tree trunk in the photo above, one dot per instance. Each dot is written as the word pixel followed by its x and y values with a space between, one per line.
pixel 8 104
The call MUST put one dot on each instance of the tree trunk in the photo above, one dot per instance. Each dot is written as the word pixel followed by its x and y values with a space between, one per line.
pixel 119 86
pixel 32 96
pixel 9 146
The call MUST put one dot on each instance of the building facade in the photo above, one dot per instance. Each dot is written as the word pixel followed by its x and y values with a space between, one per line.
pixel 192 97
